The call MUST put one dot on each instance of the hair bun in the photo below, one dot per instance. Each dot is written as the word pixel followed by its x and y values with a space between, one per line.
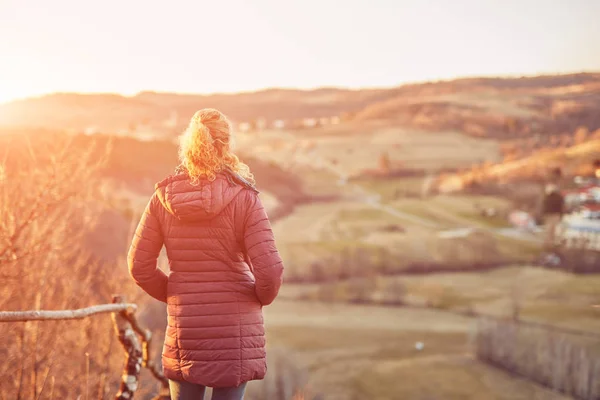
pixel 200 128
pixel 204 147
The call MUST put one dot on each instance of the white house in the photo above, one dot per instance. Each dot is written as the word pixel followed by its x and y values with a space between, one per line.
pixel 279 124
pixel 575 197
pixel 309 122
pixel 261 124
pixel 244 126
pixel 584 225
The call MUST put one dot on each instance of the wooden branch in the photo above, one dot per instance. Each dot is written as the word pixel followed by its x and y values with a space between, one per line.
pixel 33 213
pixel 138 355
pixel 18 256
pixel 40 206
pixel 133 364
pixel 46 315
pixel 146 346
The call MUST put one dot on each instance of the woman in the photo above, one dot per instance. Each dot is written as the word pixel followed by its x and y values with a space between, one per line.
pixel 224 266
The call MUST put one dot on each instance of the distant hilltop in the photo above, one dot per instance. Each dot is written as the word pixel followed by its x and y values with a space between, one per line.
pixel 486 107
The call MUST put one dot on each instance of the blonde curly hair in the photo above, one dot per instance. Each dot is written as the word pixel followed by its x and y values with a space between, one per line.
pixel 205 147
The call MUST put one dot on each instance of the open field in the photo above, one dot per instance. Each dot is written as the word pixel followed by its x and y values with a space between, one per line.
pixel 407 229
pixel 355 148
pixel 384 213
pixel 358 352
pixel 540 295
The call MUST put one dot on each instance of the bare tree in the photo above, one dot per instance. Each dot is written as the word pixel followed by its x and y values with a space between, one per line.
pixel 48 204
pixel 385 163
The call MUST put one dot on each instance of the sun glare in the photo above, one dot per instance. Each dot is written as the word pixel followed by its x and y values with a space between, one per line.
pixel 10 93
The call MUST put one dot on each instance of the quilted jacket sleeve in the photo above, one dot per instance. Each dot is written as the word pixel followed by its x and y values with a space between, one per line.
pixel 144 251
pixel 260 248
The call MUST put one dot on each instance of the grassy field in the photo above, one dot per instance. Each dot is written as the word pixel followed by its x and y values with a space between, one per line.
pixel 358 352
pixel 375 214
pixel 344 147
pixel 323 231
pixel 414 149
pixel 554 297
pixel 374 232
pixel 367 351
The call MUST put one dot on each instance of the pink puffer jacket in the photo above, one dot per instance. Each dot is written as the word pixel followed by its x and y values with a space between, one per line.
pixel 224 267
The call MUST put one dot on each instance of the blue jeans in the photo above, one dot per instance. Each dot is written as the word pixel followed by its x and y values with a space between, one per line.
pixel 181 390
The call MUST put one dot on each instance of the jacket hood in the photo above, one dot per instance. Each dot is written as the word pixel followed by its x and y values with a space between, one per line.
pixel 195 202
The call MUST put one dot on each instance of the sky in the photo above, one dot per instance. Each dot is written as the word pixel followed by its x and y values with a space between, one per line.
pixel 128 46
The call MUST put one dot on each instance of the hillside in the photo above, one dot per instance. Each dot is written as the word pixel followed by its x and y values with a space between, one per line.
pixel 109 112
pixel 345 236
pixel 496 107
pixel 573 160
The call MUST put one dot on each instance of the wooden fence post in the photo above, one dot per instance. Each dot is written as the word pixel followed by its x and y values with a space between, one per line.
pixel 138 354
pixel 131 343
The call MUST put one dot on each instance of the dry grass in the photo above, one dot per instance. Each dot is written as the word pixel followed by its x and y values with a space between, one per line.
pixel 456 211
pixel 387 188
pixel 357 352
pixel 573 160
pixel 50 206
pixel 312 315
pixel 344 147
pixel 454 378
pixel 337 343
pixel 547 296
pixel 317 154
pixel 308 222
pixel 322 232
pixel 564 362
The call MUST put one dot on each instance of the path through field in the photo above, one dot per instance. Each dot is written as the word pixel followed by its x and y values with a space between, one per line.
pixel 372 199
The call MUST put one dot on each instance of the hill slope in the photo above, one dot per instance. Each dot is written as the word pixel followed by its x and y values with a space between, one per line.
pixel 477 106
